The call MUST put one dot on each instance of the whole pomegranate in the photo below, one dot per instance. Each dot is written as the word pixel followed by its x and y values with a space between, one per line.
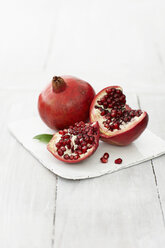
pixel 119 124
pixel 76 143
pixel 65 100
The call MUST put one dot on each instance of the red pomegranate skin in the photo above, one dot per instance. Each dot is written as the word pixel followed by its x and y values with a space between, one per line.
pixel 62 109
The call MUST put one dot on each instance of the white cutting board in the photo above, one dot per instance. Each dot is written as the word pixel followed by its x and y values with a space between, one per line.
pixel 146 147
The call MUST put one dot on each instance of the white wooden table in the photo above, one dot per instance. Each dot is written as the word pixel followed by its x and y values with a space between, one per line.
pixel 105 43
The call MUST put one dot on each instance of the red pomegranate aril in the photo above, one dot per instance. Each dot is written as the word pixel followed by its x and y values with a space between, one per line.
pixel 60 152
pixel 83 143
pixel 103 113
pixel 76 157
pixel 90 146
pixel 113 114
pixel 86 138
pixel 69 146
pixel 103 160
pixel 66 136
pixel 106 125
pixel 58 145
pixel 118 161
pixel 71 157
pixel 91 139
pixel 79 152
pixel 63 148
pixel 66 156
pixel 116 125
pixel 106 155
pixel 84 149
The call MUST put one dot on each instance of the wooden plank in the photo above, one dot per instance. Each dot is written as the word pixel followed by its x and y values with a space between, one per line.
pixel 154 104
pixel 27 189
pixel 116 210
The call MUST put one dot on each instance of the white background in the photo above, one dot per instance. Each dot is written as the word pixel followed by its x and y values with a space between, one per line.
pixel 104 42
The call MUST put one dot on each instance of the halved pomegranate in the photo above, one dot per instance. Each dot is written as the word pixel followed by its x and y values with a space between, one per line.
pixel 76 143
pixel 119 124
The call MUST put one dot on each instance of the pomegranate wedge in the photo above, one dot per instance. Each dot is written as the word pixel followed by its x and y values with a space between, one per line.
pixel 76 143
pixel 119 124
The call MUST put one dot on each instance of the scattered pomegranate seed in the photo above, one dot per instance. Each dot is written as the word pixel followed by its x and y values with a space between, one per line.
pixel 103 160
pixel 118 161
pixel 106 155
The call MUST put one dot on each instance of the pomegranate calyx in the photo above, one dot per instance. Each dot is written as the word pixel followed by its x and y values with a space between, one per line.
pixel 58 84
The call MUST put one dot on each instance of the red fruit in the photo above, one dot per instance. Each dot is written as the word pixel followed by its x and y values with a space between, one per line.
pixel 65 100
pixel 77 150
pixel 118 161
pixel 104 160
pixel 106 155
pixel 119 124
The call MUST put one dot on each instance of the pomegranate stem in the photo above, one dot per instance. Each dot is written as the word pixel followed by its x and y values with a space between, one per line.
pixel 58 84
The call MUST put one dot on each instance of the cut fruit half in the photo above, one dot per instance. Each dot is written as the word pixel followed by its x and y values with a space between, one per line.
pixel 119 124
pixel 76 143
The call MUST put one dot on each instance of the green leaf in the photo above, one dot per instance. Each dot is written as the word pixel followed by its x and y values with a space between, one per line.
pixel 45 138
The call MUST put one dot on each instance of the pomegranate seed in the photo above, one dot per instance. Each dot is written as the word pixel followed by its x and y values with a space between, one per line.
pixel 99 102
pixel 58 145
pixel 63 148
pixel 76 157
pixel 109 90
pixel 83 143
pixel 110 105
pixel 118 92
pixel 116 125
pixel 66 156
pixel 69 146
pixel 126 119
pixel 106 125
pixel 113 114
pixel 71 157
pixel 79 152
pixel 66 136
pixel 90 146
pixel 86 138
pixel 103 112
pixel 106 155
pixel 60 152
pixel 72 149
pixel 103 160
pixel 61 132
pixel 118 161
pixel 84 149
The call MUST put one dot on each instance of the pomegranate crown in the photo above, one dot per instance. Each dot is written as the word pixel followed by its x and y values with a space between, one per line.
pixel 58 84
